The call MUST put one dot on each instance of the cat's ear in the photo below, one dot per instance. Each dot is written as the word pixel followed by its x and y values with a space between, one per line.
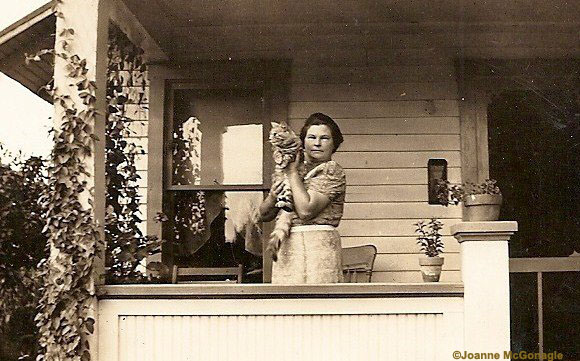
pixel 274 125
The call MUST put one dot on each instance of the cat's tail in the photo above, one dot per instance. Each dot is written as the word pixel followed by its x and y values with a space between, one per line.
pixel 280 233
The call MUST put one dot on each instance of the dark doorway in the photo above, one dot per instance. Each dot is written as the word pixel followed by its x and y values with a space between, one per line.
pixel 533 154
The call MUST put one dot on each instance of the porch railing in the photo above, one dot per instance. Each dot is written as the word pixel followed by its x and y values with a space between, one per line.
pixel 272 322
pixel 539 266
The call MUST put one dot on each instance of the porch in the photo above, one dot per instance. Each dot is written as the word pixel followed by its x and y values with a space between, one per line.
pixel 397 78
pixel 373 321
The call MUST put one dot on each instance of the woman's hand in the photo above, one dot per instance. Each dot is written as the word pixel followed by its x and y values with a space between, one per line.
pixel 292 167
pixel 268 210
pixel 276 188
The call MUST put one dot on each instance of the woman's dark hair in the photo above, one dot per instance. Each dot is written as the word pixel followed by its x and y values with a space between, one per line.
pixel 323 119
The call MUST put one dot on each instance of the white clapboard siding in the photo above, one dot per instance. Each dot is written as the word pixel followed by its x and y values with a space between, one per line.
pixel 138 128
pixel 138 137
pixel 136 86
pixel 394 176
pixel 137 112
pixel 137 95
pixel 392 126
pixel 413 276
pixel 141 161
pixel 406 210
pixel 141 142
pixel 142 195
pixel 405 262
pixel 143 213
pixel 385 193
pixel 376 109
pixel 134 78
pixel 385 227
pixel 394 159
pixel 372 74
pixel 403 244
pixel 374 56
pixel 405 125
pixel 142 182
pixel 362 92
pixel 395 117
pixel 404 142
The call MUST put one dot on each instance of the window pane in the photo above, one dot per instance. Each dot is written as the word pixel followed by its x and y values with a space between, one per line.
pixel 218 229
pixel 217 137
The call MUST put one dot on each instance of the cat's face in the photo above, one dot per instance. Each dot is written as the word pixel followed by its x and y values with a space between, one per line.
pixel 283 134
pixel 279 129
pixel 318 144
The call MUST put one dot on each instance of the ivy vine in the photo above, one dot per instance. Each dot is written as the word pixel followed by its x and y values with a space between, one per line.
pixel 127 246
pixel 64 311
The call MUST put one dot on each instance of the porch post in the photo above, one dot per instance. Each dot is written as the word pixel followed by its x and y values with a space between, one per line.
pixel 89 19
pixel 485 274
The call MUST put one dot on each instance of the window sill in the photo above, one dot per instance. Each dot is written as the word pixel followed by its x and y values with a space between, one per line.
pixel 253 291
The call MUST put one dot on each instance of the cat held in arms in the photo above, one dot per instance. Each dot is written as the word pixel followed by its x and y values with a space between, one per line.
pixel 286 146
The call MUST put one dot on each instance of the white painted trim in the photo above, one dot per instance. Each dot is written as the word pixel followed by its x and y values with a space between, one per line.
pixel 545 264
pixel 484 231
pixel 25 23
pixel 485 274
pixel 263 291
pixel 297 306
pixel 130 25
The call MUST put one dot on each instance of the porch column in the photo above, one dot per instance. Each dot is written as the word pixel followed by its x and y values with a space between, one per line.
pixel 89 19
pixel 485 274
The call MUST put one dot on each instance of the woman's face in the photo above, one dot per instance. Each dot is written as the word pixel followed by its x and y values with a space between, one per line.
pixel 318 144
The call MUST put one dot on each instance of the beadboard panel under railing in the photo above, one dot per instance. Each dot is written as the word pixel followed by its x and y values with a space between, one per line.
pixel 266 323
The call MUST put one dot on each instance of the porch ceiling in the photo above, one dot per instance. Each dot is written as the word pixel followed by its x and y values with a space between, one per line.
pixel 27 36
pixel 209 29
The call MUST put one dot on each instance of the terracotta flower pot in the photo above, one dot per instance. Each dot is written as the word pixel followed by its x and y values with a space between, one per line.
pixel 482 207
pixel 431 268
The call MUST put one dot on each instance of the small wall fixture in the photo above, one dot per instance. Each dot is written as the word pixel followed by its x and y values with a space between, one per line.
pixel 436 171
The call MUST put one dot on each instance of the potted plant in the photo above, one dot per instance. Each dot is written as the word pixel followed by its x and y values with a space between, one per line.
pixel 431 242
pixel 482 201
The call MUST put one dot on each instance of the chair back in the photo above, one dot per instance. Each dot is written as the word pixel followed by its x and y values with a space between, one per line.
pixel 207 274
pixel 357 263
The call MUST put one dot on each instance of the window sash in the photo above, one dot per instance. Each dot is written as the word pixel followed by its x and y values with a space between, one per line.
pixel 181 84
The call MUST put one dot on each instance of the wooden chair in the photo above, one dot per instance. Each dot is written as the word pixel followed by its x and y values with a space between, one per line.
pixel 207 274
pixel 357 263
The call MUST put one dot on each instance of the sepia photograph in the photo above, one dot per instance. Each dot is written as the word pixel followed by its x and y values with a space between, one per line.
pixel 254 180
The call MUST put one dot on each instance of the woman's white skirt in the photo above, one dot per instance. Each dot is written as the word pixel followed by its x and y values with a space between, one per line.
pixel 312 254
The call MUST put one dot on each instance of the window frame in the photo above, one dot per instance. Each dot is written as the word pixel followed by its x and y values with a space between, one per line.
pixel 270 77
pixel 184 84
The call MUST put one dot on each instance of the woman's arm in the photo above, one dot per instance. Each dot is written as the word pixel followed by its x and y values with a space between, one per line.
pixel 307 204
pixel 268 210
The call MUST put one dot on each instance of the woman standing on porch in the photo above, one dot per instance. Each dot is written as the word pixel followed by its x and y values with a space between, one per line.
pixel 312 253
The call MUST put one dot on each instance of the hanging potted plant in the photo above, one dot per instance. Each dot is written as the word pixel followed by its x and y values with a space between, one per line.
pixel 482 201
pixel 430 241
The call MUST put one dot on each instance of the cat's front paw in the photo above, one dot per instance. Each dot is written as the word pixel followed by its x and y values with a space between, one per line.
pixel 273 247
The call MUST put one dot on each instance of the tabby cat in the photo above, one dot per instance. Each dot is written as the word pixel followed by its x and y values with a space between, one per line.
pixel 286 145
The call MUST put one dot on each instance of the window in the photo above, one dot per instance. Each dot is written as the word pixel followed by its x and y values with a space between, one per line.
pixel 217 138
pixel 217 168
